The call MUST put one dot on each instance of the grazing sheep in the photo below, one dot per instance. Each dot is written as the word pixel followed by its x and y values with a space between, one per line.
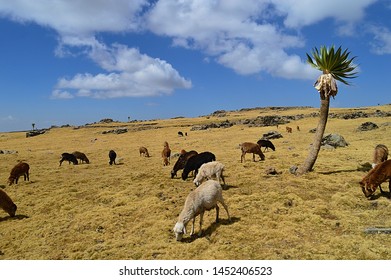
pixel 166 153
pixel 248 147
pixel 267 144
pixel 112 156
pixel 22 168
pixel 288 129
pixel 380 154
pixel 209 170
pixel 7 204
pixel 181 162
pixel 379 174
pixel 203 198
pixel 195 162
pixel 180 133
pixel 143 151
pixel 298 128
pixel 81 156
pixel 68 157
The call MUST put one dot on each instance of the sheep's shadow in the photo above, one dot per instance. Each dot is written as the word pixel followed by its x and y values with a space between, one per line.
pixel 227 187
pixel 16 217
pixel 206 233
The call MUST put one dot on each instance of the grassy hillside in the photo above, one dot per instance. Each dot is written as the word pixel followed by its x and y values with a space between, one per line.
pixel 127 211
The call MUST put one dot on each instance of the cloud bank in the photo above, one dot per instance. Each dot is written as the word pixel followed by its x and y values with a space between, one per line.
pixel 249 37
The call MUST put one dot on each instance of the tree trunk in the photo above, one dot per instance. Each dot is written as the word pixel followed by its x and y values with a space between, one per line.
pixel 314 149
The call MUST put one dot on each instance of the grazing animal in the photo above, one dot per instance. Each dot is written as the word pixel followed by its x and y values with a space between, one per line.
pixel 21 168
pixel 208 171
pixel 195 162
pixel 68 157
pixel 112 157
pixel 81 156
pixel 180 133
pixel 181 162
pixel 143 151
pixel 288 129
pixel 166 153
pixel 254 148
pixel 298 128
pixel 380 154
pixel 267 144
pixel 203 198
pixel 379 174
pixel 7 204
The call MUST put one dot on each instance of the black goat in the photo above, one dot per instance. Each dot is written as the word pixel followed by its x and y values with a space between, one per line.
pixel 195 162
pixel 68 157
pixel 267 144
pixel 181 162
pixel 112 156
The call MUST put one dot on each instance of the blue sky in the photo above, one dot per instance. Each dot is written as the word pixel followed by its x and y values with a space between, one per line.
pixel 70 62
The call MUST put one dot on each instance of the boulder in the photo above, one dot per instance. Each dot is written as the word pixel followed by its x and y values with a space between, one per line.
pixel 271 135
pixel 367 126
pixel 334 140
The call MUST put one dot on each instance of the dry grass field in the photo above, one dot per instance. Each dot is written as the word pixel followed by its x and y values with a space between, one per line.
pixel 127 211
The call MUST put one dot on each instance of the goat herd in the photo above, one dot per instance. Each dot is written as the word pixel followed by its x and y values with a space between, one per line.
pixel 208 174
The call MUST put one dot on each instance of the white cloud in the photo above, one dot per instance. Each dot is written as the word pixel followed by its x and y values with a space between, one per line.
pixel 382 39
pixel 61 94
pixel 238 33
pixel 77 17
pixel 132 74
pixel 306 12
pixel 250 37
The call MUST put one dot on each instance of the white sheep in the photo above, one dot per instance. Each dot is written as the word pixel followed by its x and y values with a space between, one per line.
pixel 203 198
pixel 208 171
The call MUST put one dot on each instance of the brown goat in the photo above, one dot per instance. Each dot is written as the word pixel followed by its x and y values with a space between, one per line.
pixel 22 168
pixel 166 153
pixel 143 151
pixel 81 156
pixel 288 129
pixel 253 148
pixel 380 154
pixel 376 176
pixel 7 204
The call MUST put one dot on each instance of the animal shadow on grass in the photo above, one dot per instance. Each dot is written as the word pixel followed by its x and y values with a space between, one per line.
pixel 2 187
pixel 16 217
pixel 206 233
pixel 380 194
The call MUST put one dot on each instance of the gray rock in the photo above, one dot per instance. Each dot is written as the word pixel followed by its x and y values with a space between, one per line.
pixel 334 140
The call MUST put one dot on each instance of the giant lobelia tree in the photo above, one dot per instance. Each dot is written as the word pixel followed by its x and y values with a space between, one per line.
pixel 336 65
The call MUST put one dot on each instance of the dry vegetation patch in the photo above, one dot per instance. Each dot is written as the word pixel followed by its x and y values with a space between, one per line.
pixel 127 211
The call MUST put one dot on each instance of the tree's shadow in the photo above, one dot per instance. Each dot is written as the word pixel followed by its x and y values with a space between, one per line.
pixel 337 171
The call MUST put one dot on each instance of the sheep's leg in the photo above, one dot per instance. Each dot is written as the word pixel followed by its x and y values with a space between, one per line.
pixel 226 208
pixel 253 157
pixel 192 227
pixel 28 176
pixel 222 178
pixel 201 218
pixel 242 158
pixel 217 213
pixel 389 189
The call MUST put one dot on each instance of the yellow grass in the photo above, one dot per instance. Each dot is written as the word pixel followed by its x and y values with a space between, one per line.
pixel 127 211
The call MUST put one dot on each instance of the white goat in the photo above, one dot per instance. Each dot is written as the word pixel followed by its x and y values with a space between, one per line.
pixel 209 170
pixel 205 197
